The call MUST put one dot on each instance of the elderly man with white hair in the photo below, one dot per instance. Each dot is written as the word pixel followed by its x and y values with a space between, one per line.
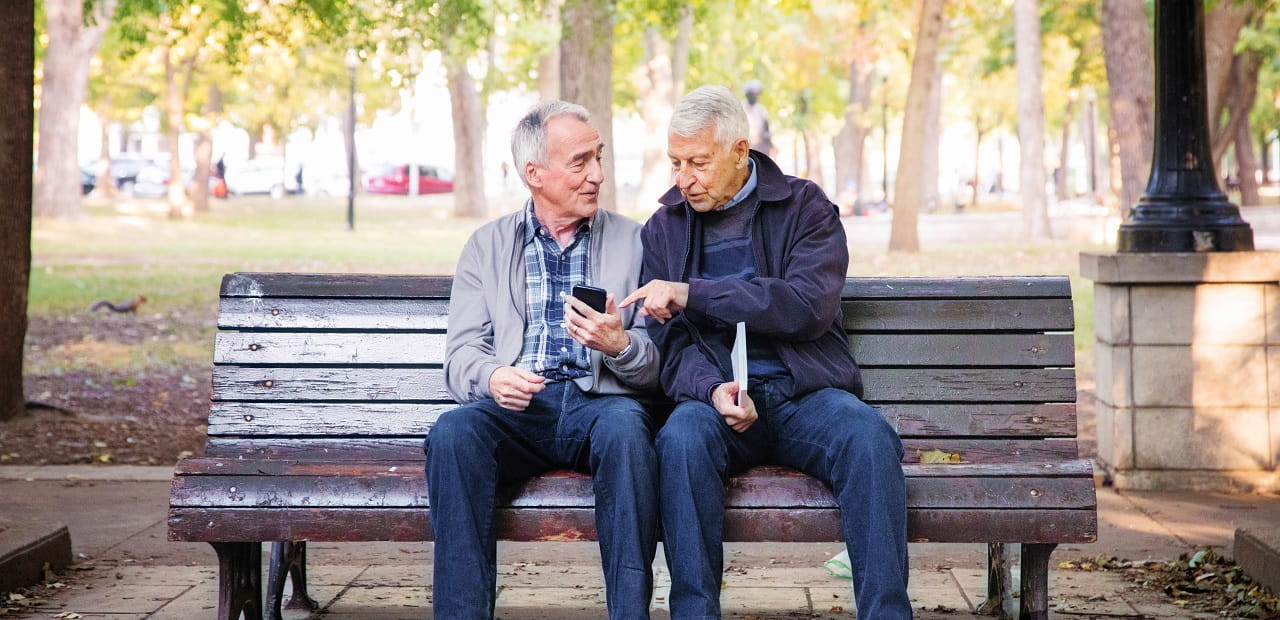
pixel 736 240
pixel 545 381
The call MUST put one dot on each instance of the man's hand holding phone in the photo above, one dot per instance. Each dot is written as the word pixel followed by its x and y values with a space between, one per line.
pixel 599 327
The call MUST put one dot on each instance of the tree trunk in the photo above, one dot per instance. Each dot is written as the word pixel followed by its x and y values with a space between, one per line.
pixel 657 101
pixel 1222 27
pixel 71 46
pixel 103 183
pixel 908 193
pixel 1064 152
pixel 1241 94
pixel 1035 210
pixel 549 61
pixel 680 54
pixel 1115 175
pixel 1126 43
pixel 468 127
pixel 1089 129
pixel 174 107
pixel 850 142
pixel 932 142
pixel 812 155
pixel 1248 165
pixel 204 151
pixel 977 163
pixel 200 180
pixel 586 75
pixel 17 36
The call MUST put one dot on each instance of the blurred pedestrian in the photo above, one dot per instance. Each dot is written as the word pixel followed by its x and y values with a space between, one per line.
pixel 758 134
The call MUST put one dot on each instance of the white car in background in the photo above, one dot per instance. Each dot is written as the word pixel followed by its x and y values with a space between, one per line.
pixel 262 175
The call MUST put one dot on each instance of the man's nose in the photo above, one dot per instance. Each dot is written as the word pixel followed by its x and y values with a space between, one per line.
pixel 595 172
pixel 684 178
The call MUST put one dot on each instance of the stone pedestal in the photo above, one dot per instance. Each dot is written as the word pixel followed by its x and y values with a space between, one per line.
pixel 1188 369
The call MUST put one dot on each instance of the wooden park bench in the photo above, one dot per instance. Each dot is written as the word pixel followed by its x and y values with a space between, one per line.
pixel 324 387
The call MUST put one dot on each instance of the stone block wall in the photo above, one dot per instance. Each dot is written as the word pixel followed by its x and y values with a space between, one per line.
pixel 1188 369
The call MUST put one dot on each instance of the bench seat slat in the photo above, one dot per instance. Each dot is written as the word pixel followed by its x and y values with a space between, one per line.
pixel 410 448
pixel 392 418
pixel 426 384
pixel 578 524
pixel 419 348
pixel 354 285
pixel 207 466
pixel 407 488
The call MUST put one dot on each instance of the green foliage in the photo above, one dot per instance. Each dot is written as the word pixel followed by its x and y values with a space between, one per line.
pixel 1263 38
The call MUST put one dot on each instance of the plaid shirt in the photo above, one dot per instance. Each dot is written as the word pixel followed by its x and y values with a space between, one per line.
pixel 550 274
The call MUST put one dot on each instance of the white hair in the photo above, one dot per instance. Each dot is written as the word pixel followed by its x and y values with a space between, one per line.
pixel 709 106
pixel 529 138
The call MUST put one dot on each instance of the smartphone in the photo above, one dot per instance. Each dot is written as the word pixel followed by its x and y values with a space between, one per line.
pixel 592 296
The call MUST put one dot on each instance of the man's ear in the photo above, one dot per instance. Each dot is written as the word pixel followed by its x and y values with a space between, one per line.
pixel 740 148
pixel 531 175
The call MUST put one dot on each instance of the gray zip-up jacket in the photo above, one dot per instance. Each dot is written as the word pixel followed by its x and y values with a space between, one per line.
pixel 487 318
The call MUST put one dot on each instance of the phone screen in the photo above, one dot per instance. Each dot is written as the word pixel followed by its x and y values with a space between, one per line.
pixel 592 296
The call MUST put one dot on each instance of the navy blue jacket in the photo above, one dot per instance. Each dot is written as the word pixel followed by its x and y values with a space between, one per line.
pixel 801 259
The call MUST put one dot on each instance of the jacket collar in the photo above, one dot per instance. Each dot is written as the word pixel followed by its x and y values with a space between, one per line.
pixel 771 184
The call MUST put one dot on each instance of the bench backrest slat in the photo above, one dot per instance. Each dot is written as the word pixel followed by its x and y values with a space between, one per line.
pixel 419 348
pixel 352 364
pixel 860 315
pixel 414 286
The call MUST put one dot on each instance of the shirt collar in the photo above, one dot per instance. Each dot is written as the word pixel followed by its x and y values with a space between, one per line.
pixel 532 226
pixel 747 188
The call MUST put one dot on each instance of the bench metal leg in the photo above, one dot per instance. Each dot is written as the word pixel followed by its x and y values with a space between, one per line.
pixel 288 559
pixel 239 580
pixel 999 582
pixel 1035 581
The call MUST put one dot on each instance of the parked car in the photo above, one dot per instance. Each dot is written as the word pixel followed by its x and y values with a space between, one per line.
pixel 262 175
pixel 395 180
pixel 126 166
pixel 87 181
pixel 151 181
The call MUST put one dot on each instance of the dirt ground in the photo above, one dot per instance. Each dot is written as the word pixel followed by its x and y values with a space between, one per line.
pixel 125 411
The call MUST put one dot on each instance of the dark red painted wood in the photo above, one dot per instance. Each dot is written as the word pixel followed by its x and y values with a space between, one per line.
pixel 572 524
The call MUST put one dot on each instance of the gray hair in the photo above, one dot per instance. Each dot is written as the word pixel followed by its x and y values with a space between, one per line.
pixel 529 138
pixel 710 106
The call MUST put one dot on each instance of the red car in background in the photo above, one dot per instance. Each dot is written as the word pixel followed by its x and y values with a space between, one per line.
pixel 395 180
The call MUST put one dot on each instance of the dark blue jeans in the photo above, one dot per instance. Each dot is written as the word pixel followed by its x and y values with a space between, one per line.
pixel 477 447
pixel 830 435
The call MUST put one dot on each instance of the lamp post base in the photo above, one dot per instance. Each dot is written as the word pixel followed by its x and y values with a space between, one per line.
pixel 1184 238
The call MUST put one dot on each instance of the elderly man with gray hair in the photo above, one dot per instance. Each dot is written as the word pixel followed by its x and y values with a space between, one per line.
pixel 736 240
pixel 545 381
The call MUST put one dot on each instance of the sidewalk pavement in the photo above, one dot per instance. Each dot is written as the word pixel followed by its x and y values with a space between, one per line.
pixel 127 569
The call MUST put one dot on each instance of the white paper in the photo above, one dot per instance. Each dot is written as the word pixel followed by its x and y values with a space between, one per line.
pixel 739 360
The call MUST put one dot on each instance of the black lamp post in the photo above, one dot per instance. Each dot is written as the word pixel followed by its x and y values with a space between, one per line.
pixel 1183 209
pixel 352 62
